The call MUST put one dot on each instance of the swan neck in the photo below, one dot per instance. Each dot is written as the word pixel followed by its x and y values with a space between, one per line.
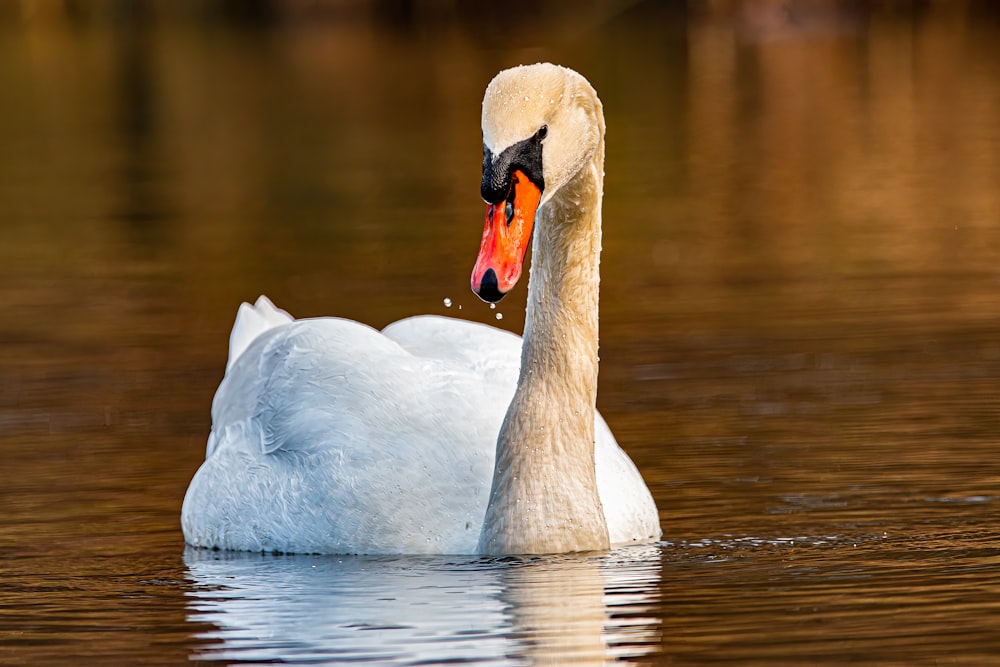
pixel 544 497
pixel 561 322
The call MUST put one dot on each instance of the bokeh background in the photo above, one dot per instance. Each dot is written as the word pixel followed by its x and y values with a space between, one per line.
pixel 800 316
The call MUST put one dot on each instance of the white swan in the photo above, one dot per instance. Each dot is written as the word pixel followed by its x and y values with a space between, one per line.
pixel 438 435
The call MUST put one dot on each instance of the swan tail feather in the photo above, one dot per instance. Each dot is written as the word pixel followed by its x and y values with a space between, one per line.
pixel 251 322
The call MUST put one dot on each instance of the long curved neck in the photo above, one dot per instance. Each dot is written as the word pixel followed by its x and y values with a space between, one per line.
pixel 544 496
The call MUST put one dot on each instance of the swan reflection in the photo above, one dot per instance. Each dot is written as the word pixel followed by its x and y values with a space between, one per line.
pixel 577 609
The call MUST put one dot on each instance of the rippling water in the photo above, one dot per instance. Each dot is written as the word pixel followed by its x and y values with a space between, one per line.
pixel 422 610
pixel 800 322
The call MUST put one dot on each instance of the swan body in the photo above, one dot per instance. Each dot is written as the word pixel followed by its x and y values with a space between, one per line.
pixel 438 435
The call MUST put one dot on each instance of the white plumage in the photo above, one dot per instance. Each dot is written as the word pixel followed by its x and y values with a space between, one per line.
pixel 329 436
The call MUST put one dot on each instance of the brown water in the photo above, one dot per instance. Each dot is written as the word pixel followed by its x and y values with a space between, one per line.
pixel 800 323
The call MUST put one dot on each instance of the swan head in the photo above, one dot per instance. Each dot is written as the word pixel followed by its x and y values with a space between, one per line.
pixel 541 125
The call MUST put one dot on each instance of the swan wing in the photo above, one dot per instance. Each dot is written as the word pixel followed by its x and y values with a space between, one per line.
pixel 495 356
pixel 629 507
pixel 330 436
pixel 492 354
pixel 251 322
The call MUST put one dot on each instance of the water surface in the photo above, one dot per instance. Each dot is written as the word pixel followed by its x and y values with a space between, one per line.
pixel 800 324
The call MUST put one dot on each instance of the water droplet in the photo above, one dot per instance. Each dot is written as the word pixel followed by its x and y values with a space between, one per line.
pixel 499 316
pixel 447 302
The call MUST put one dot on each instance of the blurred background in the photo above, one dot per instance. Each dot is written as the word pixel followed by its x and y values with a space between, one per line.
pixel 801 274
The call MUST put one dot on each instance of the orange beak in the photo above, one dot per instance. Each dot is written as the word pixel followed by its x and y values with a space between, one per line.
pixel 505 239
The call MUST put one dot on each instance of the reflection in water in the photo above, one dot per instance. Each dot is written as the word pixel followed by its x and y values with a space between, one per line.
pixel 573 609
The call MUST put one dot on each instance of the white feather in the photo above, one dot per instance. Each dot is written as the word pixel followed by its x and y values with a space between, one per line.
pixel 329 436
pixel 332 437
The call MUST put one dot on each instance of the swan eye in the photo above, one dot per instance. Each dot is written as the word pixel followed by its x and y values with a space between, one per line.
pixel 543 132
